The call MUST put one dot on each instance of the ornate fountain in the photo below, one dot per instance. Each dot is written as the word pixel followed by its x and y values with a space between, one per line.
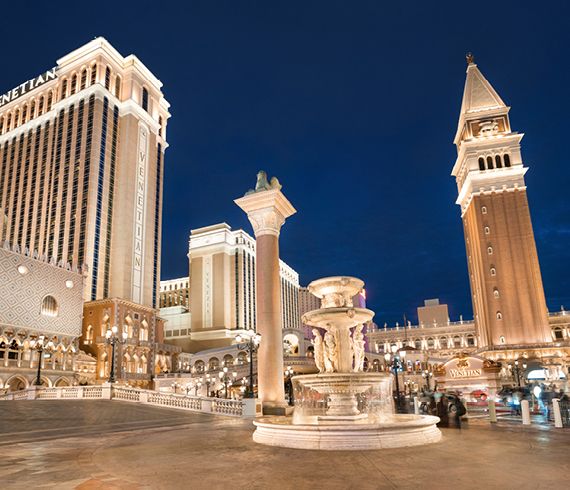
pixel 343 407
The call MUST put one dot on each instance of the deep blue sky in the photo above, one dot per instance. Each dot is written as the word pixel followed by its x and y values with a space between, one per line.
pixel 353 105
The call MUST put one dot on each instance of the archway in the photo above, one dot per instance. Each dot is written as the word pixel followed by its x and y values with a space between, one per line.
pixel 17 383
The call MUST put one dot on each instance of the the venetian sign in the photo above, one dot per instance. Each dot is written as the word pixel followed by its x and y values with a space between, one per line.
pixel 25 87
pixel 464 367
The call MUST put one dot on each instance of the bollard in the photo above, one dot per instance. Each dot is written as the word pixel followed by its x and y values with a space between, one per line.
pixel 492 410
pixel 525 412
pixel 557 413
pixel 416 405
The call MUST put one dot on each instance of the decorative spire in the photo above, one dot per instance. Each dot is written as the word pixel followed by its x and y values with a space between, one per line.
pixel 470 58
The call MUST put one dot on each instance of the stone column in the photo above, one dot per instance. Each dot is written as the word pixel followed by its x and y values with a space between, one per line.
pixel 267 209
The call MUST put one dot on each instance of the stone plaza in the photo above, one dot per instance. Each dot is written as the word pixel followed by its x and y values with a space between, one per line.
pixel 97 444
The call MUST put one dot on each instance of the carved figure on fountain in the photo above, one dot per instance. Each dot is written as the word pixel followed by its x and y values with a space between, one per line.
pixel 358 348
pixel 330 356
pixel 319 350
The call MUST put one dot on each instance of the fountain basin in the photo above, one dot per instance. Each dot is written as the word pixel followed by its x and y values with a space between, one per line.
pixel 337 317
pixel 396 431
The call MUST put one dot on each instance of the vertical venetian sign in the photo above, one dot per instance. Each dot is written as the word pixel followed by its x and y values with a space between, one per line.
pixel 207 292
pixel 140 198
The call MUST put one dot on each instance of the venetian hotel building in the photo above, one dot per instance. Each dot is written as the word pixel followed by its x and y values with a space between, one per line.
pixel 81 169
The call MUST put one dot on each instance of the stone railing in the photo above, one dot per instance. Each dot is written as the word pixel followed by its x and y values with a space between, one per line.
pixel 247 408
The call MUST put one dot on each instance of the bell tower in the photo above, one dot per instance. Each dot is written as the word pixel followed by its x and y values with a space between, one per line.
pixel 506 285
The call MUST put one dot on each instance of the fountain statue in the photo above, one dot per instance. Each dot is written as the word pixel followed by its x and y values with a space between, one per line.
pixel 341 406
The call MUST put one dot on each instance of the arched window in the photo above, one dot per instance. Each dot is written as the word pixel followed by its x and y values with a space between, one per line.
pixel 25 113
pixel 63 89
pixel 89 334
pixel 160 130
pixel 16 118
pixel 49 101
pixel 33 109
pixel 498 163
pixel 228 360
pixel 490 163
pixel 145 99
pixel 457 341
pixel 83 78
pixel 490 250
pixel 496 293
pixel 41 106
pixel 73 87
pixel 487 230
pixel 418 344
pixel 470 340
pixel 499 315
pixel 93 79
pixel 213 364
pixel 430 343
pixel 507 160
pixel 481 163
pixel 493 271
pixel 502 340
pixel 118 86
pixel 483 210
pixel 49 307
pixel 107 78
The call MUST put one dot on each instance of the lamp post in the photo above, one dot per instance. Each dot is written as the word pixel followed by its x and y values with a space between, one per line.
pixel 289 384
pixel 112 337
pixel 175 387
pixel 396 359
pixel 427 375
pixel 226 379
pixel 517 371
pixel 41 346
pixel 250 341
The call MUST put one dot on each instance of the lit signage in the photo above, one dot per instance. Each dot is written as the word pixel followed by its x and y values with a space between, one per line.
pixel 25 87
pixel 464 373
pixel 140 195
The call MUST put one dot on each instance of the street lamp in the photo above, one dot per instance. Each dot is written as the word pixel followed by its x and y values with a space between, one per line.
pixel 251 341
pixel 397 362
pixel 41 346
pixel 226 379
pixel 112 338
pixel 517 371
pixel 427 375
pixel 289 384
pixel 175 387
pixel 208 382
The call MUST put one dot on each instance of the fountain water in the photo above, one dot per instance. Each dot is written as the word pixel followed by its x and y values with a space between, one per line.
pixel 343 407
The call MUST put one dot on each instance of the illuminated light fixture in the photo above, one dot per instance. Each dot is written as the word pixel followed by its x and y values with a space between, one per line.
pixel 22 269
pixel 69 284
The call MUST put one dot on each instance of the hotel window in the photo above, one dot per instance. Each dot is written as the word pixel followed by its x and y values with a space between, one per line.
pixel 490 163
pixel 25 113
pixel 490 250
pixel 499 315
pixel 502 340
pixel 41 106
pixel 33 109
pixel 63 89
pixel 493 271
pixel 93 79
pixel 498 163
pixel 83 79
pixel 496 293
pixel 487 230
pixel 73 84
pixel 16 118
pixel 507 160
pixel 470 341
pixel 160 126
pixel 49 101
pixel 49 306
pixel 558 335
pixel 118 86
pixel 107 78
pixel 456 341
pixel 483 210
pixel 145 99
pixel 481 163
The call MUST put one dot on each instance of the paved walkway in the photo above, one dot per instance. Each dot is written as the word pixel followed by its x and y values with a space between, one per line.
pixel 101 444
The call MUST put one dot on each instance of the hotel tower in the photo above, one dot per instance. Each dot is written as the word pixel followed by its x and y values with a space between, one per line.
pixel 81 169
pixel 506 284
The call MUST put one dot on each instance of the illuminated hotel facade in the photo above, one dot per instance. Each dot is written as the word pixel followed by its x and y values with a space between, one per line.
pixel 81 170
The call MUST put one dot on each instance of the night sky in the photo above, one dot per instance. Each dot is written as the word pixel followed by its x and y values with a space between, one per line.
pixel 353 105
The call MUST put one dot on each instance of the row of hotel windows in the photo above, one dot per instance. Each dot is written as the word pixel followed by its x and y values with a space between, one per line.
pixel 68 86
pixel 490 164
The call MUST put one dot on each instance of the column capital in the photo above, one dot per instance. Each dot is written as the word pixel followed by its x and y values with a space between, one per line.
pixel 267 210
